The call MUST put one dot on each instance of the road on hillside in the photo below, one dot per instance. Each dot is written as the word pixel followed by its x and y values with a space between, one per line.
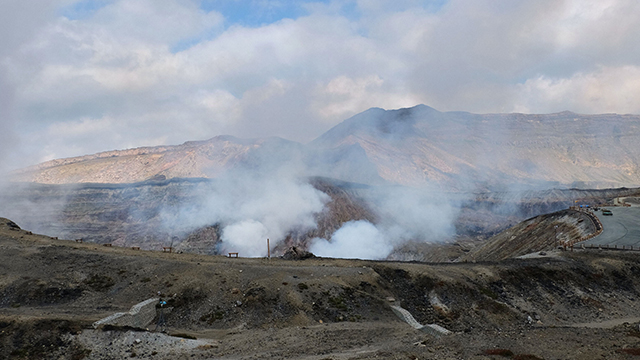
pixel 623 228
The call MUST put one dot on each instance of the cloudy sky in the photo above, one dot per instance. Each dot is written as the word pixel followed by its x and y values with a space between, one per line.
pixel 79 77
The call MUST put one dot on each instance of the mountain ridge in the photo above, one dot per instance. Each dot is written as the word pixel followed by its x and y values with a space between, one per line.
pixel 414 146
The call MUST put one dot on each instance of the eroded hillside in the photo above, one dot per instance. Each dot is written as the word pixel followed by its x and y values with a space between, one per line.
pixel 415 146
pixel 541 233
pixel 143 214
pixel 576 304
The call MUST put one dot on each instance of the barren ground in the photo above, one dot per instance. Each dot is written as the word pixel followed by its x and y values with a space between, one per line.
pixel 580 305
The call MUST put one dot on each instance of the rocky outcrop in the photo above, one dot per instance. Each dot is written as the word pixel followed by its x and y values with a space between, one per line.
pixel 295 253
pixel 9 224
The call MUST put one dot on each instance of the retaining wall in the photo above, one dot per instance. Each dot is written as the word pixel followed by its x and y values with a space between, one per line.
pixel 432 329
pixel 596 223
pixel 139 316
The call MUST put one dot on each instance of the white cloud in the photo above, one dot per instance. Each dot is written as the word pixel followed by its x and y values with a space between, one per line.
pixel 155 21
pixel 343 96
pixel 168 71
pixel 608 89
pixel 219 106
pixel 20 21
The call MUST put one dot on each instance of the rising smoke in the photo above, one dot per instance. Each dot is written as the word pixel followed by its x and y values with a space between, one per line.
pixel 355 239
pixel 405 214
pixel 268 194
pixel 252 205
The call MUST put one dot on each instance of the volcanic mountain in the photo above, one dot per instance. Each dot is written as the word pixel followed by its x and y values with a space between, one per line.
pixel 189 194
pixel 412 146
pixel 420 144
pixel 193 159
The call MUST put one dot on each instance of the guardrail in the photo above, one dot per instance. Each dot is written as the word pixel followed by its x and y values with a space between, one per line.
pixel 599 229
pixel 610 247
pixel 596 223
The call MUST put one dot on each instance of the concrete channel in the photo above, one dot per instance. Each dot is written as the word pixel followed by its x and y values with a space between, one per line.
pixel 432 329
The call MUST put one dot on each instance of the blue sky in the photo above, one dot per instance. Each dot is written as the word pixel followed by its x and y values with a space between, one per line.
pixel 254 13
pixel 79 77
pixel 250 13
pixel 241 12
pixel 82 9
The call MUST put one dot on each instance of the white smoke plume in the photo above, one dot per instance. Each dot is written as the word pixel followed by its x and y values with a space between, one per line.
pixel 406 214
pixel 252 206
pixel 355 239
pixel 32 207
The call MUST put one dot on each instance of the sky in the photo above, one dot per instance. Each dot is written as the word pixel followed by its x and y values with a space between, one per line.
pixel 79 77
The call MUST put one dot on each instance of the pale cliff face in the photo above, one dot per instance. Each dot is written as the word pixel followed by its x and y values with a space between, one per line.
pixel 462 151
pixel 415 147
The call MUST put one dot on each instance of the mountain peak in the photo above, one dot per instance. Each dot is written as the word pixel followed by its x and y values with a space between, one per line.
pixel 411 146
pixel 379 121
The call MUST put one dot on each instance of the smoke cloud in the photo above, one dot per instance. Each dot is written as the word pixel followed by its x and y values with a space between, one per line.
pixel 33 207
pixel 355 239
pixel 252 205
pixel 246 237
pixel 405 214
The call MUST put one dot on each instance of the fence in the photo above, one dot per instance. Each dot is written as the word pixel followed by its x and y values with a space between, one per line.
pixel 596 223
pixel 599 229
pixel 610 247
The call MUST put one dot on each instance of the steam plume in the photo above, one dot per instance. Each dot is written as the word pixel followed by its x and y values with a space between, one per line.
pixel 252 206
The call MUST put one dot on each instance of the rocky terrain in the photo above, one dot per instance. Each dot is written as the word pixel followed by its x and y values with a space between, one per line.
pixel 497 281
pixel 414 146
pixel 135 214
pixel 568 305
pixel 193 159
pixel 469 176
pixel 420 144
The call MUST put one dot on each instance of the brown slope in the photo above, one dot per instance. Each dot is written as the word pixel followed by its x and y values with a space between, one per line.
pixel 419 145
pixel 52 290
pixel 190 160
pixel 413 146
pixel 541 233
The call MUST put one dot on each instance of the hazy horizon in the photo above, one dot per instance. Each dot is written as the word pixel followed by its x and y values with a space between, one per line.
pixel 81 76
pixel 267 136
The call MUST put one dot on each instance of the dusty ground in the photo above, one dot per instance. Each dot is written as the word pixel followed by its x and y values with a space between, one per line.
pixel 581 305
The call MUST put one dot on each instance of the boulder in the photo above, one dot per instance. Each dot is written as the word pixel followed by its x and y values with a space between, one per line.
pixel 295 253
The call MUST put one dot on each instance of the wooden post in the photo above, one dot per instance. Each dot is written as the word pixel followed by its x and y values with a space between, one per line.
pixel 268 250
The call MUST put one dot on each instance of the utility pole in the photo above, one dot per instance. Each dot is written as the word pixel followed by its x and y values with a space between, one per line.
pixel 268 250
